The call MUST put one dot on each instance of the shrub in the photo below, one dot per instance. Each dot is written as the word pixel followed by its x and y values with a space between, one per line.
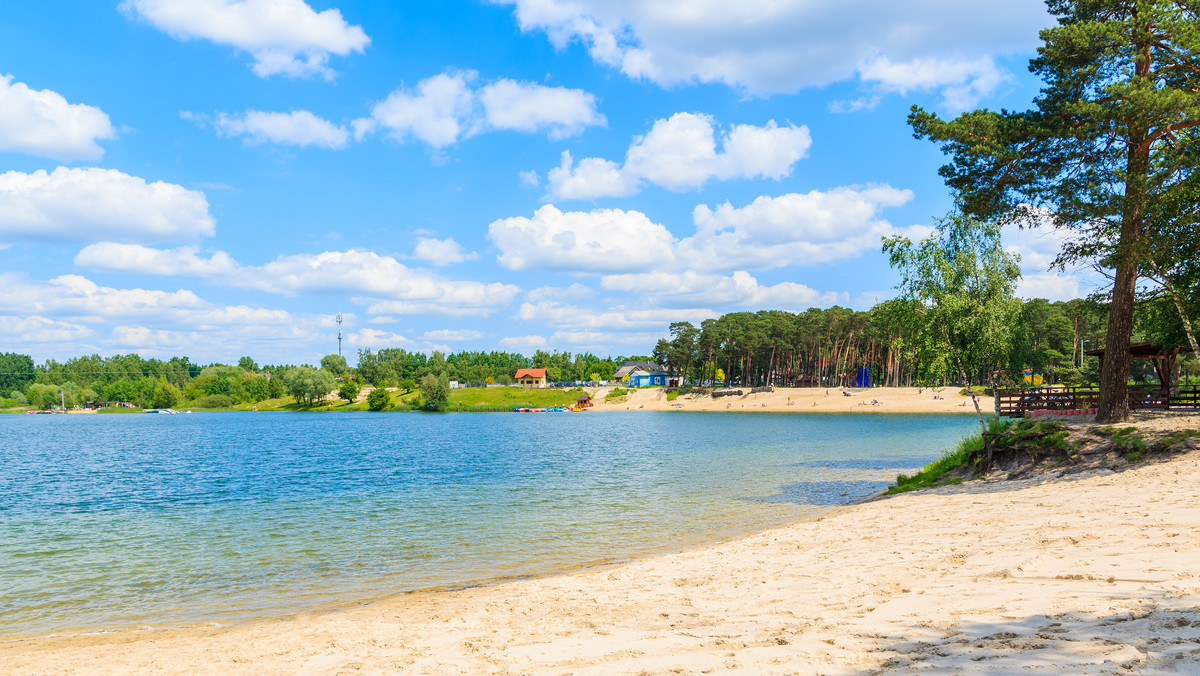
pixel 435 392
pixel 19 397
pixel 213 401
pixel 166 395
pixel 349 391
pixel 935 472
pixel 378 399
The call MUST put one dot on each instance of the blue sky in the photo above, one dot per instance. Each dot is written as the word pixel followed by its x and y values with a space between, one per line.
pixel 219 178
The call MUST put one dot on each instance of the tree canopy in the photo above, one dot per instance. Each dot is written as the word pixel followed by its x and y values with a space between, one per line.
pixel 957 290
pixel 1109 152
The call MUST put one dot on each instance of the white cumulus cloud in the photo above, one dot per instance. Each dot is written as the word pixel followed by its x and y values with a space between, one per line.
pixel 1038 248
pixel 597 241
pixel 691 288
pixel 794 229
pixel 33 330
pixel 772 46
pixel 531 107
pixel 446 108
pixel 962 83
pixel 285 37
pixel 442 251
pixel 617 318
pixel 437 112
pixel 88 205
pixel 801 229
pixel 523 342
pixel 681 153
pixel 297 128
pixel 452 335
pixel 43 123
pixel 387 285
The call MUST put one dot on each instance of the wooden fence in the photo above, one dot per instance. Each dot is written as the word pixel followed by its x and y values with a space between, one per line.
pixel 1016 403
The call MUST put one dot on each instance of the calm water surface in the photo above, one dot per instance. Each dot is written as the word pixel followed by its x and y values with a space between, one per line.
pixel 120 521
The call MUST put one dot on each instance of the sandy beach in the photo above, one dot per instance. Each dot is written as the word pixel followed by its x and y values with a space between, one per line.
pixel 801 400
pixel 1097 572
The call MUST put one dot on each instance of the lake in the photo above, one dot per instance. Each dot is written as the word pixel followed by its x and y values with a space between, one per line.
pixel 114 522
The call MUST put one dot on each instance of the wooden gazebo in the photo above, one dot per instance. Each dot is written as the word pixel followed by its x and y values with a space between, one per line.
pixel 1162 357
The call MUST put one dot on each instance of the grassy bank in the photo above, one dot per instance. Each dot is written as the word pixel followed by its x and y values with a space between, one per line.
pixel 937 473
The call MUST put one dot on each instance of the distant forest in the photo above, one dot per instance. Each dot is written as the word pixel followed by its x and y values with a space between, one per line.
pixel 812 348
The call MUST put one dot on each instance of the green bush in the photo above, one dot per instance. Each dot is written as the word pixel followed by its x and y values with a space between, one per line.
pixel 378 399
pixel 935 472
pixel 349 391
pixel 435 392
pixel 213 401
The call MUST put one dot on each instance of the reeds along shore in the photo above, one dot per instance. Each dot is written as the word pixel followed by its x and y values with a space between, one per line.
pixel 1098 573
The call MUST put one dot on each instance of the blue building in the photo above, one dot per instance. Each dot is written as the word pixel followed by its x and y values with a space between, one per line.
pixel 643 378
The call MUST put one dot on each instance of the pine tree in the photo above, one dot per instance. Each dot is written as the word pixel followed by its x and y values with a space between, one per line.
pixel 1109 149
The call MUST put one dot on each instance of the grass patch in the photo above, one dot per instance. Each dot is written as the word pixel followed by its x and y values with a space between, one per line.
pixel 1178 437
pixel 935 473
pixel 502 399
pixel 615 394
pixel 1129 442
pixel 672 395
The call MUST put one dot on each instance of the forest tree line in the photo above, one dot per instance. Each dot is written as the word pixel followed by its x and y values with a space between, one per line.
pixel 157 383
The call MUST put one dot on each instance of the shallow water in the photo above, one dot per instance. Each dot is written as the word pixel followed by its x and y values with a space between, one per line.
pixel 121 521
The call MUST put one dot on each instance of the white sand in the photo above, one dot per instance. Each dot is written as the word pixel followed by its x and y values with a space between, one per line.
pixel 1096 574
pixel 801 400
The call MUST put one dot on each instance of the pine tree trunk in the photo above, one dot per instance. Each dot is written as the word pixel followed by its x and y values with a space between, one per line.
pixel 1114 374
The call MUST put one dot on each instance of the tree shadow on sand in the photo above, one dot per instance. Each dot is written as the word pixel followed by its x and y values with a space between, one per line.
pixel 1151 638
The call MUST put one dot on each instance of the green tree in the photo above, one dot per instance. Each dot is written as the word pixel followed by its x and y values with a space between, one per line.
pixel 247 364
pixel 435 392
pixel 1110 152
pixel 308 385
pixel 166 395
pixel 259 389
pixel 349 391
pixel 378 399
pixel 335 364
pixel 408 385
pixel 958 284
pixel 16 371
pixel 122 389
pixel 43 395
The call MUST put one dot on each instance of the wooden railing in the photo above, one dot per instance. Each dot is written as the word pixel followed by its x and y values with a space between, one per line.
pixel 1016 403
pixel 1186 398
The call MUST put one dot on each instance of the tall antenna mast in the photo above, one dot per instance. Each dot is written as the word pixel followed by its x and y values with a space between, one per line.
pixel 338 318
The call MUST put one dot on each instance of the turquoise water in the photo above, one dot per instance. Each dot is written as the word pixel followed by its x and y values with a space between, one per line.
pixel 122 521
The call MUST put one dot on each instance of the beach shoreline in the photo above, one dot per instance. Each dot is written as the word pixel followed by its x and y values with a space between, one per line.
pixel 797 400
pixel 1039 575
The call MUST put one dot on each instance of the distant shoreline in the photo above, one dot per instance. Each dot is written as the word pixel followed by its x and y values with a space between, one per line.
pixel 779 400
